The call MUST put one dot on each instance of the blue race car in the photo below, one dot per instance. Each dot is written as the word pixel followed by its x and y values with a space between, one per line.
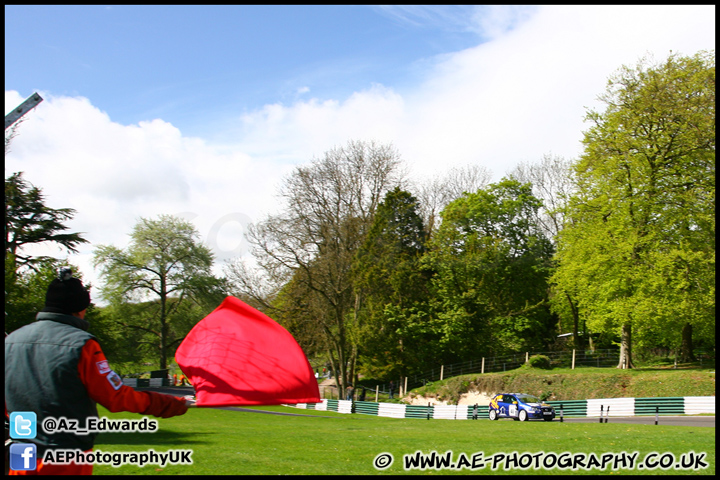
pixel 519 406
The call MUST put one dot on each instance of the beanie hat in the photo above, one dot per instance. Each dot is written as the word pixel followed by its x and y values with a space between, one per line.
pixel 66 294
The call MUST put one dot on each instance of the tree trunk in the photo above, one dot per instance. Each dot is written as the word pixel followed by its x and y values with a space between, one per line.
pixel 626 347
pixel 335 367
pixel 686 350
pixel 577 341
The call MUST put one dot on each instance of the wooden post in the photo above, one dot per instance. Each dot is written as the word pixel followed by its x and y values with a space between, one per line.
pixel 527 357
pixel 377 393
pixel 573 360
pixel 482 368
pixel 405 389
pixel 442 370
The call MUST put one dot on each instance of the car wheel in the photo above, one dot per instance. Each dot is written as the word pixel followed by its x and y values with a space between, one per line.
pixel 522 416
pixel 493 414
pixel 548 419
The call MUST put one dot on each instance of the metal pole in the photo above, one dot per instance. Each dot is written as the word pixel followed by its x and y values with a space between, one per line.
pixel 657 410
pixel 607 414
pixel 561 413
pixel 31 102
pixel 601 413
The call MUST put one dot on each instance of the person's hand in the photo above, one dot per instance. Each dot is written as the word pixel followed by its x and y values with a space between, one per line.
pixel 190 400
pixel 165 406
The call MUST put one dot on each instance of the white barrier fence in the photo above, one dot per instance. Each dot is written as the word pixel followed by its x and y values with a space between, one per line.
pixel 450 412
pixel 613 407
pixel 392 410
pixel 597 407
pixel 696 405
pixel 344 406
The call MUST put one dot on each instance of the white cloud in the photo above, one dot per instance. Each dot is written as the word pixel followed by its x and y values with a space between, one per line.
pixel 513 99
pixel 113 174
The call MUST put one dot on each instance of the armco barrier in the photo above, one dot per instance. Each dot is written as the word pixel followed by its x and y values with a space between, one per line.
pixel 393 410
pixel 570 408
pixel 613 407
pixel 146 382
pixel 451 412
pixel 138 382
pixel 625 407
pixel 482 412
pixel 418 411
pixel 130 382
pixel 345 406
pixel 660 405
pixel 695 405
pixel 367 408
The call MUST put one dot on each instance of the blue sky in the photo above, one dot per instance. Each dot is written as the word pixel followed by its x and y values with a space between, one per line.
pixel 201 111
pixel 191 64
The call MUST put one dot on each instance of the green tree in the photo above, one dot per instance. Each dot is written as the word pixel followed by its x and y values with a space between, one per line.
pixel 164 268
pixel 25 292
pixel 388 278
pixel 639 247
pixel 313 242
pixel 29 221
pixel 491 264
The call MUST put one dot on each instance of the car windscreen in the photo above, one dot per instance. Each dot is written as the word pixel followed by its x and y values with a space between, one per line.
pixel 528 399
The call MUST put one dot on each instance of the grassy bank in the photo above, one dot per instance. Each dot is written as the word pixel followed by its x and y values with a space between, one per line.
pixel 227 442
pixel 578 384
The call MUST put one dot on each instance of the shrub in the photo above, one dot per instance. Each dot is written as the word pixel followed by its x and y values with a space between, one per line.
pixel 540 361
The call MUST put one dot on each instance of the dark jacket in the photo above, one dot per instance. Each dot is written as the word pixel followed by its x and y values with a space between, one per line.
pixel 41 376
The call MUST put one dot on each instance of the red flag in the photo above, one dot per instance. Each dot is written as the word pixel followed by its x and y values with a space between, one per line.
pixel 240 356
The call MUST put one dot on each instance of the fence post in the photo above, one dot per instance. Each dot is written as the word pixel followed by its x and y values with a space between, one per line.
pixel 482 368
pixel 405 389
pixel 561 413
pixel 657 410
pixel 442 371
pixel 428 411
pixel 607 413
pixel 601 413
pixel 527 357
pixel 573 360
pixel 377 392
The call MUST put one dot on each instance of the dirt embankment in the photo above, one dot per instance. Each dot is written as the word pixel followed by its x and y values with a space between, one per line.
pixel 472 389
pixel 469 398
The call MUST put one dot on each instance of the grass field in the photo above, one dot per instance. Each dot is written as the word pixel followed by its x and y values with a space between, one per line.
pixel 227 442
